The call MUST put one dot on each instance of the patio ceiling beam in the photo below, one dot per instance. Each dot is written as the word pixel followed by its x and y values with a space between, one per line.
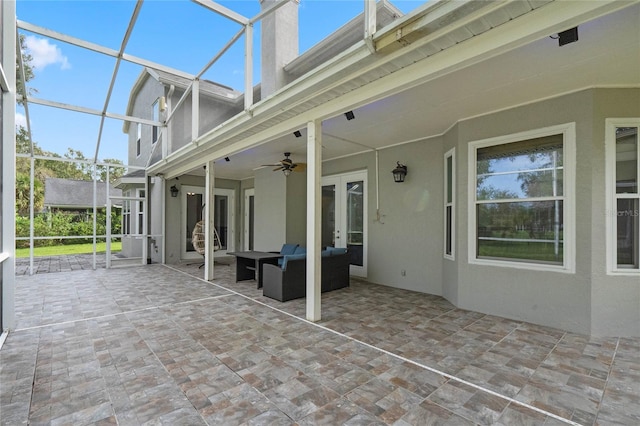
pixel 116 67
pixel 221 10
pixel 100 49
pixel 233 136
pixel 92 111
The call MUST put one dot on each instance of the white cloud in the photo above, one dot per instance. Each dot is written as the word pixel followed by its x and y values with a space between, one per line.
pixel 21 120
pixel 45 53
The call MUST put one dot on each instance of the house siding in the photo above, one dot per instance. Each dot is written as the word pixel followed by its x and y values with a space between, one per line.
pixel 587 301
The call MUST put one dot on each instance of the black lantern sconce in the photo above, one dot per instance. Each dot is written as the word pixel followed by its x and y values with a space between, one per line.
pixel 399 172
pixel 174 191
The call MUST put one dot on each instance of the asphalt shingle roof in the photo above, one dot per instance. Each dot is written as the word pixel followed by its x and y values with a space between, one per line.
pixel 76 193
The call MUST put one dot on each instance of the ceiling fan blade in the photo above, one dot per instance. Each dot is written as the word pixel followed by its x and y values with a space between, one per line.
pixel 299 167
pixel 278 168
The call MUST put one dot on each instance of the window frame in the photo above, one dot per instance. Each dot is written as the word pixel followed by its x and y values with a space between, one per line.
pixel 612 197
pixel 155 131
pixel 449 205
pixel 568 132
pixel 138 140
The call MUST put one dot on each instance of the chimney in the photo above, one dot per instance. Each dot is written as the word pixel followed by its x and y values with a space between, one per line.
pixel 279 45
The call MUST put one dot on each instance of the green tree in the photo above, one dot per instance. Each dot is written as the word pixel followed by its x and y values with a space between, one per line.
pixel 23 189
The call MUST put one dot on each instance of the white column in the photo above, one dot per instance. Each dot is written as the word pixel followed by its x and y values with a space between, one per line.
pixel 8 158
pixel 314 218
pixel 209 198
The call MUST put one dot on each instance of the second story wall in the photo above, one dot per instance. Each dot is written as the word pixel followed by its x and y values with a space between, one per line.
pixel 141 136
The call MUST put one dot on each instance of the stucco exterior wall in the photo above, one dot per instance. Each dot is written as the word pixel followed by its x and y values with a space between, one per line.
pixel 615 300
pixel 150 91
pixel 212 113
pixel 270 210
pixel 588 301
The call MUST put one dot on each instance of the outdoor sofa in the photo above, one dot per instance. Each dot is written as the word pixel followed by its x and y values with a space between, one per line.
pixel 288 280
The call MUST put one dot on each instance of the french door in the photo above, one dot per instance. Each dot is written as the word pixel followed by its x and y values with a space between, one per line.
pixel 193 211
pixel 344 217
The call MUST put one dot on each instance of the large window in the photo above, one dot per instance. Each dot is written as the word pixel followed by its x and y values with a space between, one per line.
pixel 521 190
pixel 623 200
pixel 449 204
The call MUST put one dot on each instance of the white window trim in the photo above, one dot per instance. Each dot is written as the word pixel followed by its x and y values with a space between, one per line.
pixel 568 131
pixel 450 154
pixel 611 196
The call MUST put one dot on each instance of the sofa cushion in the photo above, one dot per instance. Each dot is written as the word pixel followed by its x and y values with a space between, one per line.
pixel 336 250
pixel 300 250
pixel 288 249
pixel 289 257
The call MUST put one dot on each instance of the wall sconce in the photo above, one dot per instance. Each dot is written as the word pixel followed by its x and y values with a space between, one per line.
pixel 399 172
pixel 174 191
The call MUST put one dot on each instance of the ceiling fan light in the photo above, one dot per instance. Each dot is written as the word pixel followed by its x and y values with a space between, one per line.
pixel 286 171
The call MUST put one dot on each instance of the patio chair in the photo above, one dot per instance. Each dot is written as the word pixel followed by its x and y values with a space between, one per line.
pixel 197 239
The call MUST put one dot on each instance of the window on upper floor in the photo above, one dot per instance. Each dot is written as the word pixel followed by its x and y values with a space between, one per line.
pixel 138 140
pixel 156 117
pixel 623 195
pixel 521 198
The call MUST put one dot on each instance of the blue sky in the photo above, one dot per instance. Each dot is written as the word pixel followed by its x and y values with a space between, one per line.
pixel 176 33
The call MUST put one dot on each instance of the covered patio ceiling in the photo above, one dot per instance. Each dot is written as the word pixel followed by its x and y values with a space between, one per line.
pixel 534 69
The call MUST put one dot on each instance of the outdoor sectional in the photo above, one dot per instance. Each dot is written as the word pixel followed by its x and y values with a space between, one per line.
pixel 288 281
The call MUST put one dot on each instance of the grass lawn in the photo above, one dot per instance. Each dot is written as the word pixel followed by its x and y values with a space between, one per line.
pixel 69 249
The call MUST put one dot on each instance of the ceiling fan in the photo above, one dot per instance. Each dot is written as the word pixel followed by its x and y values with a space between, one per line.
pixel 287 165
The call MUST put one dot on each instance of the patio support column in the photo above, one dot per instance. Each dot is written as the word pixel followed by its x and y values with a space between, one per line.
pixel 8 166
pixel 314 218
pixel 209 240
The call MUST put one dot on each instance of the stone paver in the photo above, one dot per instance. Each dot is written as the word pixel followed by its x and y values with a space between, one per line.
pixel 156 345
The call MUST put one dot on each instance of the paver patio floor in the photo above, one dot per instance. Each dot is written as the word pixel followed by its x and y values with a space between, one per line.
pixel 157 345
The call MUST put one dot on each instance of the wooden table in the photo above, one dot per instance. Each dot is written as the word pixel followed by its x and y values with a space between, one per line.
pixel 249 264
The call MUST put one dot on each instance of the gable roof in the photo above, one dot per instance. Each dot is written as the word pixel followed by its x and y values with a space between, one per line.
pixel 69 193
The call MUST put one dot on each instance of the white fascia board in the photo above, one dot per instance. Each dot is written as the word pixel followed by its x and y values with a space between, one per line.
pixel 219 142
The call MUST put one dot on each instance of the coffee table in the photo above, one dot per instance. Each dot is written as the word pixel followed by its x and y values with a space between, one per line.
pixel 249 264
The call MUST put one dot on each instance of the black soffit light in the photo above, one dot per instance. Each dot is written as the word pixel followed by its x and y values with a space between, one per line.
pixel 399 172
pixel 567 36
pixel 349 115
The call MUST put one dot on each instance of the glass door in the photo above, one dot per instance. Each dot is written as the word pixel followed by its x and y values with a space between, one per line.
pixel 344 217
pixel 223 218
